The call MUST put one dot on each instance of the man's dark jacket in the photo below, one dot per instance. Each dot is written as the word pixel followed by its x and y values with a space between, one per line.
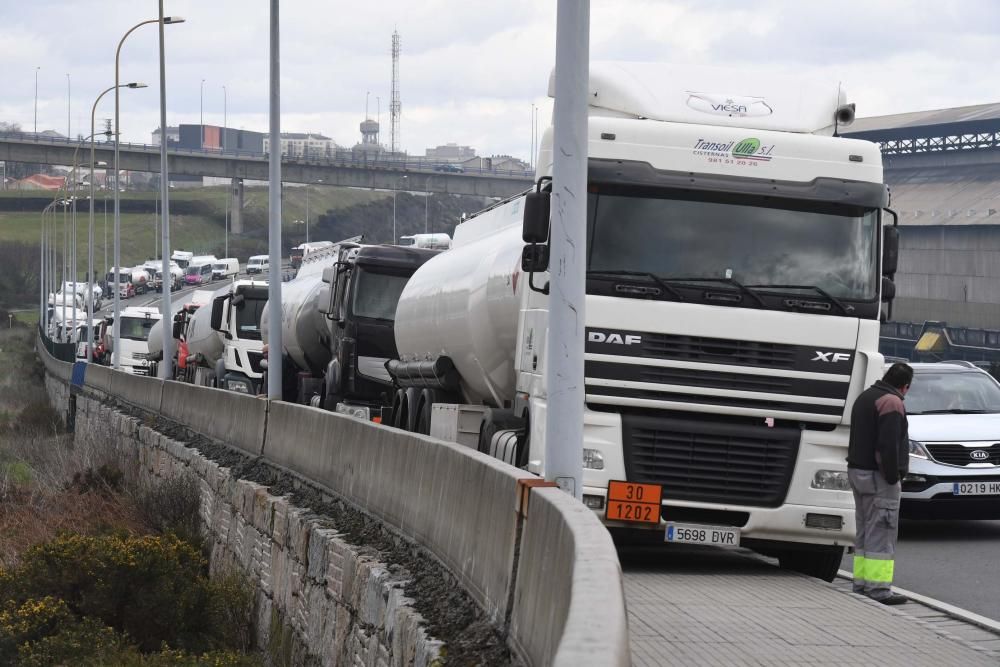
pixel 879 433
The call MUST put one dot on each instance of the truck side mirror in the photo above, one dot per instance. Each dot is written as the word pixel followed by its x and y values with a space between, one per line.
pixel 534 258
pixel 535 227
pixel 178 330
pixel 888 290
pixel 218 310
pixel 890 248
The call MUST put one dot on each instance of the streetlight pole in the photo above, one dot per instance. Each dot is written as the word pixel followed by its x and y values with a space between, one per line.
pixel 117 233
pixel 567 273
pixel 395 187
pixel 307 213
pixel 36 100
pixel 166 366
pixel 69 103
pixel 201 112
pixel 427 195
pixel 225 104
pixel 274 343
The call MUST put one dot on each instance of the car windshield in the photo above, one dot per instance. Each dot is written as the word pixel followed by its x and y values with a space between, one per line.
pixel 377 294
pixel 769 244
pixel 942 393
pixel 136 328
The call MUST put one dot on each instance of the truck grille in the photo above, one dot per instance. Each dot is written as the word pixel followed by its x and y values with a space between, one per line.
pixel 719 350
pixel 737 463
pixel 958 455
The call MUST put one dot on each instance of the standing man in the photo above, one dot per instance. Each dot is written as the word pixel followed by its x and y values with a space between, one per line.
pixel 877 460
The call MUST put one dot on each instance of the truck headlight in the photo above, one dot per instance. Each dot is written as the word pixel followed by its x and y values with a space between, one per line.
pixel 918 450
pixel 356 411
pixel 593 459
pixel 239 386
pixel 830 480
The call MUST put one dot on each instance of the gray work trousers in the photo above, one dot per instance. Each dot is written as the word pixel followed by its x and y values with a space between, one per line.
pixel 876 511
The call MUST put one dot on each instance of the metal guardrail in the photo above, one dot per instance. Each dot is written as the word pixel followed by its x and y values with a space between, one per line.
pixel 901 339
pixel 340 158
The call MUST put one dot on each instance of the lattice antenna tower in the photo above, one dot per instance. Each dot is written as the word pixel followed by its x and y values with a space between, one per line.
pixel 395 108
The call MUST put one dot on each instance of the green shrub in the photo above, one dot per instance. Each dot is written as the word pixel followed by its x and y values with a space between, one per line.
pixel 85 642
pixel 151 588
pixel 29 620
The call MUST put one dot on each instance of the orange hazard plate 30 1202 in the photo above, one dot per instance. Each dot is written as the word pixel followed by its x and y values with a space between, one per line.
pixel 629 501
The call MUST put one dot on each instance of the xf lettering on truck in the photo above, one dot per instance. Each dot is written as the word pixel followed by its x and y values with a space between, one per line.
pixel 831 357
pixel 613 338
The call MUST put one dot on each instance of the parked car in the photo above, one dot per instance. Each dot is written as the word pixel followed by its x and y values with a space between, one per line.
pixel 953 409
pixel 449 168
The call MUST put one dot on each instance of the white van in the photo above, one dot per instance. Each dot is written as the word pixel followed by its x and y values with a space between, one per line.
pixel 225 268
pixel 259 264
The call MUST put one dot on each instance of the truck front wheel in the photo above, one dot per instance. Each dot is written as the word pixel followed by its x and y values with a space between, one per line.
pixel 821 562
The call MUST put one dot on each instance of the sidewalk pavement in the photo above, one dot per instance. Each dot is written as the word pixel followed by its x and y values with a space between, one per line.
pixel 717 608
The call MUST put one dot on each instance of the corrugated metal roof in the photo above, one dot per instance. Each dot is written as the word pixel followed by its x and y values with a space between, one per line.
pixel 925 118
pixel 946 196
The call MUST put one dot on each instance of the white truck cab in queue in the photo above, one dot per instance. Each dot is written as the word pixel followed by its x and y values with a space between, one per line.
pixel 737 256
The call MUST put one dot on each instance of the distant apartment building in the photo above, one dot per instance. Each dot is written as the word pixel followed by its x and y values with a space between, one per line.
pixel 451 153
pixel 495 163
pixel 304 144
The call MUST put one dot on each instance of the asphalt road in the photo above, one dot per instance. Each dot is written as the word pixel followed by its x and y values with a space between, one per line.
pixel 952 561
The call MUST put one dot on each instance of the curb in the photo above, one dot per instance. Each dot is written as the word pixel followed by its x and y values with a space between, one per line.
pixel 964 615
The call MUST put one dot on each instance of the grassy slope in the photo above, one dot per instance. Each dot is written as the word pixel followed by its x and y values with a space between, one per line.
pixel 202 232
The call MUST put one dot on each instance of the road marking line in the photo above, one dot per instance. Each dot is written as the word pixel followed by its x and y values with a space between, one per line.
pixel 945 608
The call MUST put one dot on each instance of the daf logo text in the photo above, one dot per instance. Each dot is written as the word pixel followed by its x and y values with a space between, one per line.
pixel 613 338
pixel 831 357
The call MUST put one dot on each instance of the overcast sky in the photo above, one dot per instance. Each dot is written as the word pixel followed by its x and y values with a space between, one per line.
pixel 470 69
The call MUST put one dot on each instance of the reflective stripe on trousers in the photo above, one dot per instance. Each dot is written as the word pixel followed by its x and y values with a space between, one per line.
pixel 876 511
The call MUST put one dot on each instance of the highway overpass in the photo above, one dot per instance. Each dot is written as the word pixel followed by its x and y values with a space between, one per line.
pixel 343 170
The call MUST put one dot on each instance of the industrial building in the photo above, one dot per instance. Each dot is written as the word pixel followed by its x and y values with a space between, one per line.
pixel 943 171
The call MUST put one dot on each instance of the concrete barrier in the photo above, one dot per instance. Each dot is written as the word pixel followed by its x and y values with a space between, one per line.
pixel 236 419
pixel 139 390
pixel 569 600
pixel 62 370
pixel 98 377
pixel 459 504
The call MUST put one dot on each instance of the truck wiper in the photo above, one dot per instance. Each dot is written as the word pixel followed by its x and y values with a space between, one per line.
pixel 950 411
pixel 844 308
pixel 727 281
pixel 639 274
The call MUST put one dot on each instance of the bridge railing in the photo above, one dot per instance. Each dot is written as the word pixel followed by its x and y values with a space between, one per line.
pixel 343 158
pixel 537 561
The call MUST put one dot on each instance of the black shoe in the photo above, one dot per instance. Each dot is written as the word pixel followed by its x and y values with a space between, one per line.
pixel 892 599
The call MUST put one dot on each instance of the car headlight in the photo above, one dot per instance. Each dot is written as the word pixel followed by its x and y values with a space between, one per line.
pixel 918 450
pixel 831 480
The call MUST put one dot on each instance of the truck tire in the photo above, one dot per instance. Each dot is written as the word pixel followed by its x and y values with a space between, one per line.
pixel 422 417
pixel 496 420
pixel 821 562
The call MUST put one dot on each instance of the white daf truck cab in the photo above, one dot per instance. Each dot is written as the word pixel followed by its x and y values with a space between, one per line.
pixel 737 256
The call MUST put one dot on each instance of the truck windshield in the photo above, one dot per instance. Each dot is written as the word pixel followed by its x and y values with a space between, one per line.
pixel 248 318
pixel 376 294
pixel 766 244
pixel 192 271
pixel 136 328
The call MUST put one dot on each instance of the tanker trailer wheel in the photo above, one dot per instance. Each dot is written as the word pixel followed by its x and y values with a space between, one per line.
pixel 502 435
pixel 422 417
pixel 397 408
